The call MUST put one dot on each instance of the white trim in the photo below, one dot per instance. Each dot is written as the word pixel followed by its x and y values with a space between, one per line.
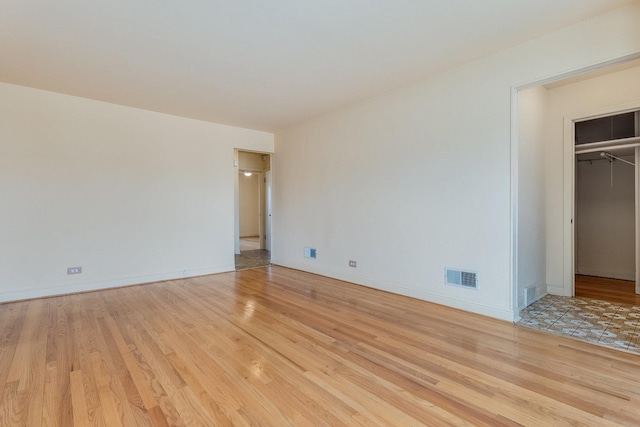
pixel 555 290
pixel 568 228
pixel 513 223
pixel 108 284
pixel 637 167
pixel 620 275
pixel 576 72
pixel 273 248
pixel 603 112
pixel 498 313
pixel 236 201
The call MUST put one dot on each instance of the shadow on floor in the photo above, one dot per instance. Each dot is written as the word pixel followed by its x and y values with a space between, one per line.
pixel 253 259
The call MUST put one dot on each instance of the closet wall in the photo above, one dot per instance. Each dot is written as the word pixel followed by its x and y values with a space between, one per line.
pixel 532 121
pixel 605 219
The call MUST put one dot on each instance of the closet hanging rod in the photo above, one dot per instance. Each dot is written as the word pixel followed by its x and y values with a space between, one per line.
pixel 611 156
pixel 611 143
pixel 591 160
pixel 595 150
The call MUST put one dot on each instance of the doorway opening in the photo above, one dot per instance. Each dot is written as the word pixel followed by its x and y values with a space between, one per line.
pixel 605 206
pixel 547 248
pixel 253 209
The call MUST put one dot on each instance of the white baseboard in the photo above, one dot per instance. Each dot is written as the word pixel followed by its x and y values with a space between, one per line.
pixel 472 307
pixel 622 275
pixel 557 290
pixel 561 291
pixel 118 283
pixel 541 291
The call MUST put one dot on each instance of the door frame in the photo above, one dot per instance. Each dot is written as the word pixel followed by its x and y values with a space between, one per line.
pixel 268 194
pixel 637 162
pixel 569 202
pixel 236 195
pixel 514 171
pixel 259 175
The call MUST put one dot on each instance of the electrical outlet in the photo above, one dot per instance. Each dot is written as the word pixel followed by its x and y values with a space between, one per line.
pixel 310 253
pixel 352 263
pixel 74 270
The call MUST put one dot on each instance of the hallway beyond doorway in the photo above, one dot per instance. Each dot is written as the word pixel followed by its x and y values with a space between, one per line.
pixel 249 243
pixel 251 256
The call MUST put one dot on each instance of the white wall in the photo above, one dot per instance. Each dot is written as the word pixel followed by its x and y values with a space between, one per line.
pixel 532 127
pixel 598 95
pixel 433 187
pixel 131 196
pixel 605 219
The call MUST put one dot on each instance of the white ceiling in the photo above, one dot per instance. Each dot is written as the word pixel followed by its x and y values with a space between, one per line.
pixel 260 64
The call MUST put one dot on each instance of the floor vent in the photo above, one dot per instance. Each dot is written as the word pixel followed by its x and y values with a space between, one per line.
pixel 465 279
pixel 529 295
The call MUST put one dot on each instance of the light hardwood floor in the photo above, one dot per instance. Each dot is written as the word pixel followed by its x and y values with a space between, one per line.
pixel 249 243
pixel 279 347
pixel 612 290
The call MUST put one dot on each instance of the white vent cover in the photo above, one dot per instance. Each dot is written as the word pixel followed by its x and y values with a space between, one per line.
pixel 529 295
pixel 465 279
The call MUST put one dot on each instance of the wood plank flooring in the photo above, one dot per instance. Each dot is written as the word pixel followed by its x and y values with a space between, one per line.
pixel 250 243
pixel 280 347
pixel 612 290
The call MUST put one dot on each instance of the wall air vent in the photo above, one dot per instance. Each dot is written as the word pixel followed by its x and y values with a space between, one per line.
pixel 465 279
pixel 529 295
